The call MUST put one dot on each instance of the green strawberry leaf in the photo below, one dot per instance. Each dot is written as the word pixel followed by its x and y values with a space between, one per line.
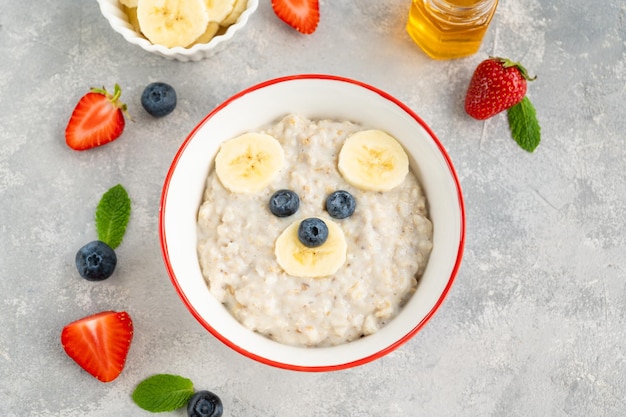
pixel 112 215
pixel 163 392
pixel 524 125
pixel 507 63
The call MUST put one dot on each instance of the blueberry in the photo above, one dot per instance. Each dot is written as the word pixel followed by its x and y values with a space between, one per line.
pixel 96 261
pixel 312 232
pixel 159 99
pixel 284 203
pixel 204 404
pixel 340 204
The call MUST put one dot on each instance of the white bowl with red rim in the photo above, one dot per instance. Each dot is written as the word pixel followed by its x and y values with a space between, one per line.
pixel 314 96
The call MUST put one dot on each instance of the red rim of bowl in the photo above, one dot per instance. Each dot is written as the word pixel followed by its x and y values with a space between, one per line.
pixel 288 366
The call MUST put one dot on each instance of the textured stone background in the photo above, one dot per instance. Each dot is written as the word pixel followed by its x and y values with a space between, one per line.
pixel 535 324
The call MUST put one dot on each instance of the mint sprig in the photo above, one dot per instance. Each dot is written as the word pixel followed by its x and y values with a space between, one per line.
pixel 163 392
pixel 112 215
pixel 524 125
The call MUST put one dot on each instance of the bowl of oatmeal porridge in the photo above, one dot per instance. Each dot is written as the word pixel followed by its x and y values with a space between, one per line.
pixel 248 273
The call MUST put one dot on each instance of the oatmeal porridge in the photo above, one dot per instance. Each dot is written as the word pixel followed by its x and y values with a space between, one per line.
pixel 386 244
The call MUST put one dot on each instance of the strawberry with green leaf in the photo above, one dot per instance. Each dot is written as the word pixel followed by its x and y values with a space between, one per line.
pixel 499 84
pixel 97 119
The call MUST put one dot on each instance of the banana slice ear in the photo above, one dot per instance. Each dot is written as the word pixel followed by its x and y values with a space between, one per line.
pixel 249 163
pixel 373 160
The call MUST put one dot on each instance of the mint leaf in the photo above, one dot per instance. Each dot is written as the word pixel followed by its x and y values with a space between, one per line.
pixel 524 125
pixel 163 392
pixel 112 215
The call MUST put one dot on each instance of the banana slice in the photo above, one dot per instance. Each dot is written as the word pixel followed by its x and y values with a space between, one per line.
pixel 129 3
pixel 249 163
pixel 238 8
pixel 373 160
pixel 131 12
pixel 172 22
pixel 219 9
pixel 301 261
pixel 211 30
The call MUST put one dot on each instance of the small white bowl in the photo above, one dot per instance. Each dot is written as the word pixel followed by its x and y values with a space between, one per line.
pixel 313 96
pixel 113 11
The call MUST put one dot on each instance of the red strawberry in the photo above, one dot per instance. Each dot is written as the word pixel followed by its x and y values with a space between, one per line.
pixel 497 85
pixel 99 343
pixel 97 119
pixel 302 15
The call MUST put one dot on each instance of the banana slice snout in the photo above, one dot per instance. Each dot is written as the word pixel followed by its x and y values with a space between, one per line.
pixel 249 163
pixel 300 260
pixel 372 160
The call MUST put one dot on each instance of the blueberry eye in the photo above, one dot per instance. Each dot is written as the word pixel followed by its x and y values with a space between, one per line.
pixel 312 232
pixel 340 204
pixel 284 203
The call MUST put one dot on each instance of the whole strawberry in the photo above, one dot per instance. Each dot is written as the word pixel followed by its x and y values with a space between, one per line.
pixel 97 119
pixel 497 85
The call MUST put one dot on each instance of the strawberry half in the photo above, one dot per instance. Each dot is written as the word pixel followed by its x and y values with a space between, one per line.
pixel 98 118
pixel 497 85
pixel 302 15
pixel 99 343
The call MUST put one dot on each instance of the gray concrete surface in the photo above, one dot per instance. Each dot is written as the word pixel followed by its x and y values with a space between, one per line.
pixel 535 324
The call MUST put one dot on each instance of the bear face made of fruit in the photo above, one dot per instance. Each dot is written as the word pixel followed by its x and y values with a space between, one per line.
pixel 312 247
pixel 313 232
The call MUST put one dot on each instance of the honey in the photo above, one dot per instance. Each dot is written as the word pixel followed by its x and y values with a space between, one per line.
pixel 447 29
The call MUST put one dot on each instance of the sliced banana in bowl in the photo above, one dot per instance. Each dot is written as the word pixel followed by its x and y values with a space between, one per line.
pixel 185 30
pixel 172 22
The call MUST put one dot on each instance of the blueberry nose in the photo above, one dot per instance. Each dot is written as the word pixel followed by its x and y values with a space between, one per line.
pixel 312 232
